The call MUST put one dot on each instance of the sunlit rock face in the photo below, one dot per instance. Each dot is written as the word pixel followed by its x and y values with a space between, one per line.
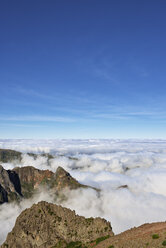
pixel 49 225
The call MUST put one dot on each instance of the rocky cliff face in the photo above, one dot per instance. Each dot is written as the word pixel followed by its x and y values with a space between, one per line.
pixel 25 181
pixel 47 225
pixel 31 178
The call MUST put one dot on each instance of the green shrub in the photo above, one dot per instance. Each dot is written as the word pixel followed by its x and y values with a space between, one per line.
pixel 76 244
pixel 60 244
pixel 155 236
pixel 59 218
pixel 164 243
pixel 50 211
pixel 98 240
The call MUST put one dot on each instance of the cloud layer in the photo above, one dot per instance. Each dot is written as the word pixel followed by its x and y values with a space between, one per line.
pixel 130 173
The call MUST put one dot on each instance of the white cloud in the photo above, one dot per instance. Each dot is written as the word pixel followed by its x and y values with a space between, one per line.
pixel 108 165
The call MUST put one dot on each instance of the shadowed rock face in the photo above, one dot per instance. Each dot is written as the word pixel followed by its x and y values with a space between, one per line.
pixel 8 186
pixel 47 225
pixel 3 195
pixel 24 181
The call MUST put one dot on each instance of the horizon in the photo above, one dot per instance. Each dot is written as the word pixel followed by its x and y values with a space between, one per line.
pixel 83 69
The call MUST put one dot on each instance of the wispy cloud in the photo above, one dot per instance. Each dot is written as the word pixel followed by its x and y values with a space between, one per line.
pixel 34 93
pixel 37 118
pixel 71 97
pixel 127 113
pixel 11 124
pixel 80 107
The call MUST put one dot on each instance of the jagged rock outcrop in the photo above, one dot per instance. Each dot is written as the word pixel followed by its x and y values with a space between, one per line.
pixel 63 179
pixel 25 181
pixel 47 225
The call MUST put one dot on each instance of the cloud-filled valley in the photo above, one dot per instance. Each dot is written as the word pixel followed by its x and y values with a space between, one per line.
pixel 129 173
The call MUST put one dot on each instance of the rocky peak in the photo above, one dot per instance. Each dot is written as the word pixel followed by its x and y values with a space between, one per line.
pixel 61 172
pixel 64 179
pixel 47 225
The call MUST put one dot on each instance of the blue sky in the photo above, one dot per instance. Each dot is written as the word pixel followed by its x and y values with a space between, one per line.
pixel 83 69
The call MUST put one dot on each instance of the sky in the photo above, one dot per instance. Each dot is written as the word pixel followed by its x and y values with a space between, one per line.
pixel 83 69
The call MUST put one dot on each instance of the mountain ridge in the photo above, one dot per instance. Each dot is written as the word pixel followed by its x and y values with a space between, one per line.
pixel 23 182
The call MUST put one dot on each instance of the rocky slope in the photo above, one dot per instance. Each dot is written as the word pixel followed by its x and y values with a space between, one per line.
pixel 47 225
pixel 148 235
pixel 23 182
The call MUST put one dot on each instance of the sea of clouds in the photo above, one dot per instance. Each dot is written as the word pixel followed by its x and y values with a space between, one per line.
pixel 131 175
